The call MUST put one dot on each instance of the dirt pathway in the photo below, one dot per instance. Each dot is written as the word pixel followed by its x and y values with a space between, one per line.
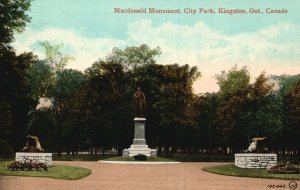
pixel 141 177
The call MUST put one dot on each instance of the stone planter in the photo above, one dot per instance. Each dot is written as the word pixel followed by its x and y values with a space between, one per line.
pixel 255 160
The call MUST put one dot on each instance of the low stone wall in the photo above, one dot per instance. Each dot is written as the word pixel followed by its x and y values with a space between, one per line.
pixel 35 157
pixel 255 160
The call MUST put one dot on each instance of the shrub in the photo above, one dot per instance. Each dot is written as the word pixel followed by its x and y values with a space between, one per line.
pixel 27 166
pixel 140 157
pixel 284 169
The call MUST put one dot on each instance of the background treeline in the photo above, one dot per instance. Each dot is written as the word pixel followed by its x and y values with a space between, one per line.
pixel 93 110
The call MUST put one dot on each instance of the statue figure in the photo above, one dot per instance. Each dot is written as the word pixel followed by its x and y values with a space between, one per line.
pixel 257 145
pixel 33 144
pixel 139 103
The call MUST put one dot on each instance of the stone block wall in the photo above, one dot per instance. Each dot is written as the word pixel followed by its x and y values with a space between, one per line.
pixel 255 160
pixel 35 157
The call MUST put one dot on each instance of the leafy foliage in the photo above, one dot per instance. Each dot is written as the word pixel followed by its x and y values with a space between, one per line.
pixel 107 106
pixel 292 117
pixel 233 81
pixel 133 57
pixel 15 102
pixel 12 18
pixel 94 109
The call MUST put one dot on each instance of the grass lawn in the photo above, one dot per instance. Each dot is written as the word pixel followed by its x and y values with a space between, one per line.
pixel 81 157
pixel 201 158
pixel 56 172
pixel 231 170
pixel 149 159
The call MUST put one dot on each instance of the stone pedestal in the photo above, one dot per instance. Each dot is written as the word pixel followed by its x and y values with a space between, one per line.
pixel 35 157
pixel 255 160
pixel 139 145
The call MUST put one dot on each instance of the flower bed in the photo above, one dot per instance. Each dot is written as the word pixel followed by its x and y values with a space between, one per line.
pixel 284 169
pixel 27 166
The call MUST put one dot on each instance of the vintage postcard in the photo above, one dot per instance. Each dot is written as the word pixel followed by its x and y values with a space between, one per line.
pixel 150 94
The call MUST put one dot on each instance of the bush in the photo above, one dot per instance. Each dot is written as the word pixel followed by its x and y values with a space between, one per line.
pixel 284 169
pixel 27 166
pixel 140 157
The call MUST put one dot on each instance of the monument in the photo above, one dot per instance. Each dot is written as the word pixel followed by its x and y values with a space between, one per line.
pixel 34 152
pixel 256 156
pixel 257 145
pixel 139 146
pixel 33 144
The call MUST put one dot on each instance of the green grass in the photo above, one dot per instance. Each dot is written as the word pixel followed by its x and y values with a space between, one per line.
pixel 150 159
pixel 200 158
pixel 56 172
pixel 81 157
pixel 231 170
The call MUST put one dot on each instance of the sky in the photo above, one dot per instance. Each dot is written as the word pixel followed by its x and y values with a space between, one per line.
pixel 90 29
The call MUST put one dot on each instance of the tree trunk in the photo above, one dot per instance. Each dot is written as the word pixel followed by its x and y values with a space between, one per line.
pixel 159 150
pixel 167 150
pixel 120 149
pixel 59 136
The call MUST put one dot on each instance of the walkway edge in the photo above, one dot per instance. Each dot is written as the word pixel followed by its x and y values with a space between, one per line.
pixel 135 162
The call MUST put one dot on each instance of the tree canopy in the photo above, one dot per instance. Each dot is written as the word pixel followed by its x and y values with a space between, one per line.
pixel 13 18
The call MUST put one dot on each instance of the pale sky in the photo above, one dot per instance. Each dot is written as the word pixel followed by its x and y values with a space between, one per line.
pixel 90 29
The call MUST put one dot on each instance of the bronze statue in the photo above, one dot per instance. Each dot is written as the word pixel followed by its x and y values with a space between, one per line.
pixel 33 144
pixel 139 103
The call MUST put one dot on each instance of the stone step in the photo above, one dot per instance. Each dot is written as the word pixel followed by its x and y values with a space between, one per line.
pixel 140 150
pixel 139 146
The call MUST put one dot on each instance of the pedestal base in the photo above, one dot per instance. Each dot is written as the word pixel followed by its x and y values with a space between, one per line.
pixel 139 145
pixel 35 157
pixel 255 160
pixel 139 149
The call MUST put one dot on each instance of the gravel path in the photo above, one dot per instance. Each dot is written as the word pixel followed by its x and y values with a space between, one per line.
pixel 141 177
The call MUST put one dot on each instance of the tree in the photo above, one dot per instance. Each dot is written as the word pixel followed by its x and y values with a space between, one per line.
pixel 43 124
pixel 40 79
pixel 108 106
pixel 12 18
pixel 234 90
pixel 175 105
pixel 286 82
pixel 49 79
pixel 133 57
pixel 249 111
pixel 56 59
pixel 68 84
pixel 15 105
pixel 292 118
pixel 15 102
pixel 205 108
pixel 233 81
pixel 263 116
pixel 287 93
